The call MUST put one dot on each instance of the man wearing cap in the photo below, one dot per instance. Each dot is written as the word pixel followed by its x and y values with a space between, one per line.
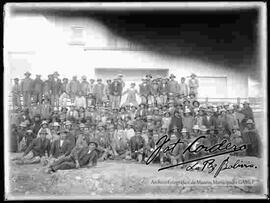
pixel 38 148
pixel 73 88
pixel 16 94
pixel 56 89
pixel 98 91
pixel 193 84
pixel 84 86
pixel 116 89
pixel 173 86
pixel 79 157
pixel 37 89
pixel 26 89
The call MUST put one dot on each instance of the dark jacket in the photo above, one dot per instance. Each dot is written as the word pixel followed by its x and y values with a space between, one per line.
pixel 65 149
pixel 145 89
pixel 39 147
pixel 136 143
pixel 37 86
pixel 116 88
pixel 211 122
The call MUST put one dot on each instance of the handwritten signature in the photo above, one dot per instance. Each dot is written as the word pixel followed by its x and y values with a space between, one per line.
pixel 224 147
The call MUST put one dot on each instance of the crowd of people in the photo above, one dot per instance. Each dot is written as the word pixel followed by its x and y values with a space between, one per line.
pixel 70 124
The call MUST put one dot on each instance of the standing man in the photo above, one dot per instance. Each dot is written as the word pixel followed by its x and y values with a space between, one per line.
pixel 194 84
pixel 145 91
pixel 56 89
pixel 107 90
pixel 26 87
pixel 99 91
pixel 183 87
pixel 116 92
pixel 91 86
pixel 84 86
pixel 73 88
pixel 16 94
pixel 47 88
pixel 173 86
pixel 64 87
pixel 37 89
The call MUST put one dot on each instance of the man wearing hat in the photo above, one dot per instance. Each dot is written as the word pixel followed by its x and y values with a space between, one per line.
pixel 252 139
pixel 131 95
pixel 209 119
pixel 163 91
pixel 188 120
pixel 173 85
pixel 26 89
pixel 79 157
pixel 247 111
pixel 38 148
pixel 98 91
pixel 116 89
pixel 61 147
pixel 44 126
pixel 64 87
pixel 37 89
pixel 137 145
pixel 16 94
pixel 73 88
pixel 56 89
pixel 144 90
pixel 47 88
pixel 193 84
pixel 84 86
pixel 183 87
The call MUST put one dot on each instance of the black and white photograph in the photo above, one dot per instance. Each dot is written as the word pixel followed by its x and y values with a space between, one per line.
pixel 135 100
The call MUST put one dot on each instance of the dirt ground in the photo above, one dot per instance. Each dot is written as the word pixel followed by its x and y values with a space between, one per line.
pixel 111 179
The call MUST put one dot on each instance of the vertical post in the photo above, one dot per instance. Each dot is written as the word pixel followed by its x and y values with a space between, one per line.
pixel 238 100
pixel 206 100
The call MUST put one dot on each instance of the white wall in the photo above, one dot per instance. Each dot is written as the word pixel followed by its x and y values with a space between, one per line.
pixel 50 44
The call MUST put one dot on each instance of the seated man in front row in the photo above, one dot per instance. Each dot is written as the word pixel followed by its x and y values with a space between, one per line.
pixel 38 149
pixel 79 157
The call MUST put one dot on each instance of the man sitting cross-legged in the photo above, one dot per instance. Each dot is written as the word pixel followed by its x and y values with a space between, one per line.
pixel 38 148
pixel 79 157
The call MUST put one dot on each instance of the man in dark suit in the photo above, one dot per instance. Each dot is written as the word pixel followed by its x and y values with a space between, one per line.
pixel 209 119
pixel 39 148
pixel 79 157
pixel 115 92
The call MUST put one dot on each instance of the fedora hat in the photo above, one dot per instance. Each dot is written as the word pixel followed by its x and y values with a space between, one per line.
pixel 27 73
pixel 172 76
pixel 193 74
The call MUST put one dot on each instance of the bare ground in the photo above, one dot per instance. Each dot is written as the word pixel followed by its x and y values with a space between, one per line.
pixel 127 178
